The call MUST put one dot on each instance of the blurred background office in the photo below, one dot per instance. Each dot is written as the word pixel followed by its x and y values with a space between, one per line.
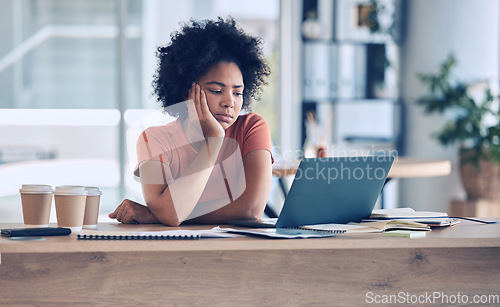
pixel 75 83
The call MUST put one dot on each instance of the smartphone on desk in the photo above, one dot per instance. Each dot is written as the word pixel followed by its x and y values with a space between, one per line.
pixel 36 232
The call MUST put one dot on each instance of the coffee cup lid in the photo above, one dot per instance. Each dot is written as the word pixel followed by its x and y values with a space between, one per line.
pixel 70 190
pixel 93 191
pixel 35 188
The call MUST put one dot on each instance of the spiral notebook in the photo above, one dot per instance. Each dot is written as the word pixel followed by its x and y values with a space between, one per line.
pixel 152 235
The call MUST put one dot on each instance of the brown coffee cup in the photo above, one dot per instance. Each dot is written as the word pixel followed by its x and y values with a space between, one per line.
pixel 36 200
pixel 70 204
pixel 92 207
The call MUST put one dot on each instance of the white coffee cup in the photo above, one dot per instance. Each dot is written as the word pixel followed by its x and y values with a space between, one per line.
pixel 36 200
pixel 70 204
pixel 92 207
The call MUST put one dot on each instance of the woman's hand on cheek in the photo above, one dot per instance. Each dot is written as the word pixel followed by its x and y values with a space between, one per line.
pixel 209 124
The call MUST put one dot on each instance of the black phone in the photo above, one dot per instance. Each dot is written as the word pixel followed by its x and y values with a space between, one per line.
pixel 36 232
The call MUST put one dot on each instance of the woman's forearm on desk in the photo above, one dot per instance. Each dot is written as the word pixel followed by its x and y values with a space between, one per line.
pixel 172 204
pixel 252 202
pixel 162 208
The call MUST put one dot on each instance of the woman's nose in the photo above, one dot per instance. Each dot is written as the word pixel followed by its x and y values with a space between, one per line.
pixel 228 101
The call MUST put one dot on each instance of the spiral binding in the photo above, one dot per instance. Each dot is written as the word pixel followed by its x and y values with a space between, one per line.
pixel 137 237
pixel 337 231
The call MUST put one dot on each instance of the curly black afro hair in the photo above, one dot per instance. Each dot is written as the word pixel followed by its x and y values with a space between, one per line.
pixel 198 46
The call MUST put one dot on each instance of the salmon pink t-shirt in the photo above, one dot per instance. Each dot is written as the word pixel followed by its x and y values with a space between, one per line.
pixel 168 145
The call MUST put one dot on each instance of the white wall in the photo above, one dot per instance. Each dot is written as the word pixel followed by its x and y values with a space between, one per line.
pixel 435 28
pixel 163 17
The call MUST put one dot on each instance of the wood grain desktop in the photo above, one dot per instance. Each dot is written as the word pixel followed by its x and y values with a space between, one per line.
pixel 337 271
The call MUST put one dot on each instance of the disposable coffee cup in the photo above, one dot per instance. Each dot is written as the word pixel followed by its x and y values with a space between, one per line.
pixel 92 207
pixel 70 204
pixel 36 200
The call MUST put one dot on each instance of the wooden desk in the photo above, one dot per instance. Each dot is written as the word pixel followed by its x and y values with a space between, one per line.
pixel 338 271
pixel 403 167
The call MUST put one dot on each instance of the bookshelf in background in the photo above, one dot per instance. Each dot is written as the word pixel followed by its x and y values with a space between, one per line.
pixel 350 64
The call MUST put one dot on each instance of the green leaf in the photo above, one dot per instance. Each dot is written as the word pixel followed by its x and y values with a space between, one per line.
pixel 468 124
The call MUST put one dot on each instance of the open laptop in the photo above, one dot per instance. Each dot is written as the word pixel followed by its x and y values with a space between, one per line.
pixel 330 190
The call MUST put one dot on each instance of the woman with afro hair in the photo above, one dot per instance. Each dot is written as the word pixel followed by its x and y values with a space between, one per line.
pixel 212 164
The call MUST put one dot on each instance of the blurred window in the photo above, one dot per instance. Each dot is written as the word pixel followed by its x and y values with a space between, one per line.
pixel 59 86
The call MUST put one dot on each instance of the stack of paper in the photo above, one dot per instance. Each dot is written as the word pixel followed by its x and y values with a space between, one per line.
pixel 425 217
pixel 282 233
pixel 378 226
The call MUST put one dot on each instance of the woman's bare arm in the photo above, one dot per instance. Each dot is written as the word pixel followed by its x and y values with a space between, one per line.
pixel 172 204
pixel 161 209
pixel 251 204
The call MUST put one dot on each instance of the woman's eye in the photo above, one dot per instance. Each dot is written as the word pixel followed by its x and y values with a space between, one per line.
pixel 238 94
pixel 216 92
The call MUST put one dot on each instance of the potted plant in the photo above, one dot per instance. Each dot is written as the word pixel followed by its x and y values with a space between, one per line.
pixel 473 122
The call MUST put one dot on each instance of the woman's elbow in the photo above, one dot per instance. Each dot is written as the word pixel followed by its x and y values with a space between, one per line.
pixel 169 219
pixel 164 216
pixel 172 222
pixel 255 210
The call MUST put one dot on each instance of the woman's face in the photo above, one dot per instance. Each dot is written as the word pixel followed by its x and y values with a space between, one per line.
pixel 223 84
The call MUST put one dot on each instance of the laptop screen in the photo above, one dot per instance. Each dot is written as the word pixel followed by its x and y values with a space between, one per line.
pixel 334 190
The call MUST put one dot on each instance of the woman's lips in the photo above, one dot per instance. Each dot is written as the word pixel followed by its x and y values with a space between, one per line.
pixel 227 118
